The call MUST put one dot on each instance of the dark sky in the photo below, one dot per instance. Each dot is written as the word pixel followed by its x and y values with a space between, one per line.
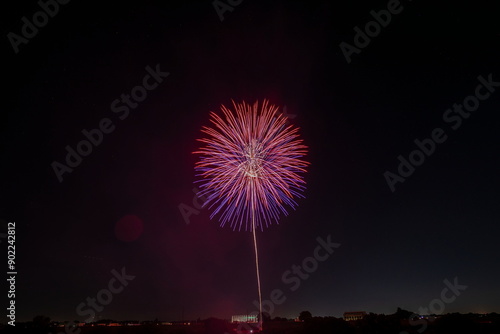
pixel 396 248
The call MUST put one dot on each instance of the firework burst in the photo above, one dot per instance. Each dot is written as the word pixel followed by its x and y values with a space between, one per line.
pixel 251 166
pixel 250 169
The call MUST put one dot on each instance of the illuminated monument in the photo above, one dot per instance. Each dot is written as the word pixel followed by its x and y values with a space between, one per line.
pixel 244 318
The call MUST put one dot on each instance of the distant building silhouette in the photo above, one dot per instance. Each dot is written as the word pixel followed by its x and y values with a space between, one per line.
pixel 244 318
pixel 353 316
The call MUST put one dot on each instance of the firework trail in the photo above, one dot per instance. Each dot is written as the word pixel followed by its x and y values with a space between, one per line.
pixel 250 168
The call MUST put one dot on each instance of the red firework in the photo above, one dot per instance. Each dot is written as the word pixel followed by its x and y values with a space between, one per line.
pixel 251 165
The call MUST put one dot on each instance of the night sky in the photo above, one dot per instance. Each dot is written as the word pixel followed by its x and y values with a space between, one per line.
pixel 396 247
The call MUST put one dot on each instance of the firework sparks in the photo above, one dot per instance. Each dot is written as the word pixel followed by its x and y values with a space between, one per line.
pixel 251 166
